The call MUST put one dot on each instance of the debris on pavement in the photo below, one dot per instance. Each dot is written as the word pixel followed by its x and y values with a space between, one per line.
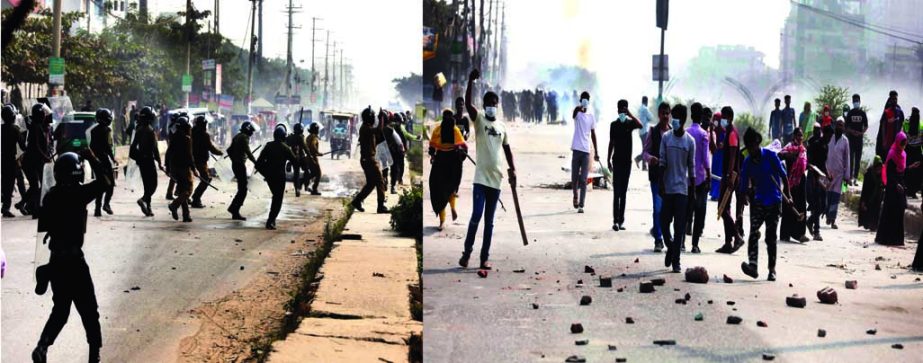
pixel 699 317
pixel 534 306
pixel 871 331
pixel 629 320
pixel 734 320
pixel 821 333
pixel 582 342
pixel 647 287
pixel 605 281
pixel 576 328
pixel 767 356
pixel 665 342
pixel 897 346
pixel 588 270
pixel 659 281
pixel 482 274
pixel 827 295
pixel 586 300
pixel 575 359
pixel 796 301
pixel 761 324
pixel 852 284
pixel 519 271
pixel 728 280
pixel 697 275
pixel 612 347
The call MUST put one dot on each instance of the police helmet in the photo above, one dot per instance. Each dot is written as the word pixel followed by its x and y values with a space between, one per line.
pixel 68 169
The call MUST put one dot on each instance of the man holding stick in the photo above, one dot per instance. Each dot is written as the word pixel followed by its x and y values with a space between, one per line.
pixel 490 138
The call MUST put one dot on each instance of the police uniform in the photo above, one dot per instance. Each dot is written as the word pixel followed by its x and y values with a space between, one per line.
pixel 101 144
pixel 297 144
pixel 202 147
pixel 271 164
pixel 11 141
pixel 145 152
pixel 312 162
pixel 370 167
pixel 180 165
pixel 37 153
pixel 239 152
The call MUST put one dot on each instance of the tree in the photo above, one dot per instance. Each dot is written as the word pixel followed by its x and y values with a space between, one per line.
pixel 832 96
pixel 410 88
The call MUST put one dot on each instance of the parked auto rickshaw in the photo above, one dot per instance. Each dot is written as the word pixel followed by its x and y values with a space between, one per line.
pixel 341 135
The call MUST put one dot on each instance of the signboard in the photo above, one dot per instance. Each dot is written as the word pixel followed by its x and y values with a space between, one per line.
pixel 282 100
pixel 226 101
pixel 666 67
pixel 187 83
pixel 208 64
pixel 56 70
pixel 218 79
pixel 663 10
pixel 430 42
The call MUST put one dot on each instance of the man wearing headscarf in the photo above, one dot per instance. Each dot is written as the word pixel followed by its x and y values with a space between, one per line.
pixel 838 171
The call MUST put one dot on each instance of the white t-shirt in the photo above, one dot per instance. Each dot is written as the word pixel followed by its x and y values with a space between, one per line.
pixel 583 124
pixel 489 138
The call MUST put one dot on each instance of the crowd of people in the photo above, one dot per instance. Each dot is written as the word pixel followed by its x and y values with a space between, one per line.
pixel 58 193
pixel 790 182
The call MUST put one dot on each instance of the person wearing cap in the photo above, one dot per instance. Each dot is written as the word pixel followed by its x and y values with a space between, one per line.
pixel 271 164
pixel 181 167
pixel 837 169
pixel 101 144
pixel 9 150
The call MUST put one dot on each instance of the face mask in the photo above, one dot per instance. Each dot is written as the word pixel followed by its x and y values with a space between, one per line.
pixel 490 112
pixel 855 104
pixel 724 122
pixel 584 102
pixel 622 117
pixel 675 124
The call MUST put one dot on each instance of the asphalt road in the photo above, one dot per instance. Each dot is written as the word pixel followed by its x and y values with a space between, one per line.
pixel 177 267
pixel 469 319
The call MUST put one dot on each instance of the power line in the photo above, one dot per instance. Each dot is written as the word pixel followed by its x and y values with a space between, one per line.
pixel 857 23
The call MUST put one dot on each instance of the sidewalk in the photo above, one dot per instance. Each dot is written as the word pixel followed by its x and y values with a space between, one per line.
pixel 361 311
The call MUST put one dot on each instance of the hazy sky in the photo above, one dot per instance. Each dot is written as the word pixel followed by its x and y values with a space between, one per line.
pixel 618 37
pixel 380 38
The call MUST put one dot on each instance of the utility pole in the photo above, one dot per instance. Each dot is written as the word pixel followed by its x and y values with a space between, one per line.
pixel 56 42
pixel 662 16
pixel 342 90
pixel 260 39
pixel 333 74
pixel 289 61
pixel 188 40
pixel 217 16
pixel 326 69
pixel 313 70
pixel 252 54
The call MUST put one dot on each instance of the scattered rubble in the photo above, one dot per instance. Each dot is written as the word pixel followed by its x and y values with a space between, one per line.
pixel 519 271
pixel 734 320
pixel 761 324
pixel 728 280
pixel 897 346
pixel 699 317
pixel 586 300
pixel 665 342
pixel 589 270
pixel 796 301
pixel 697 275
pixel 605 281
pixel 582 342
pixel 871 331
pixel 658 281
pixel 852 284
pixel 534 306
pixel 612 347
pixel 482 274
pixel 821 333
pixel 576 328
pixel 827 295
pixel 767 356
pixel 647 287
pixel 629 320
pixel 575 359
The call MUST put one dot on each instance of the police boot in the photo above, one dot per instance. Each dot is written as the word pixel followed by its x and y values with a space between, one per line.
pixel 42 277
pixel 382 209
pixel 94 355
pixel 97 212
pixel 39 353
pixel 107 209
pixel 7 214
pixel 173 211
pixel 196 203
pixel 297 191
pixel 315 192
pixel 186 217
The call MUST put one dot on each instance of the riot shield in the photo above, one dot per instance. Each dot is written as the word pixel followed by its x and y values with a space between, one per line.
pixel 384 155
pixel 133 176
pixel 42 253
pixel 223 169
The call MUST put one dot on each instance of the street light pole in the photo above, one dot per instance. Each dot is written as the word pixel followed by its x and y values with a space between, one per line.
pixel 663 33
pixel 56 43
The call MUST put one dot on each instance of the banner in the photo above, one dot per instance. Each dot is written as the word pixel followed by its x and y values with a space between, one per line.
pixel 56 70
pixel 226 101
pixel 430 43
pixel 218 79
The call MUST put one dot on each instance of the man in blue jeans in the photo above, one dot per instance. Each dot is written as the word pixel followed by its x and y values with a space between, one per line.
pixel 490 138
pixel 677 162
pixel 651 155
pixel 584 133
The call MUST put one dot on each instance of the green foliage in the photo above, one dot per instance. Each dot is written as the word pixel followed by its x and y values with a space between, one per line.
pixel 407 215
pixel 746 120
pixel 415 157
pixel 409 88
pixel 832 96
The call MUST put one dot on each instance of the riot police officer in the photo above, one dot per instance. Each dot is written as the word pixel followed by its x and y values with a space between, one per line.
pixel 12 140
pixel 239 152
pixel 367 143
pixel 202 148
pixel 181 167
pixel 398 151
pixel 63 216
pixel 101 144
pixel 295 141
pixel 145 152
pixel 271 164
pixel 38 152
pixel 312 158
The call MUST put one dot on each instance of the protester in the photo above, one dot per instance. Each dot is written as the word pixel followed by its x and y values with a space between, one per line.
pixel 917 264
pixel 837 170
pixel 677 164
pixel 914 151
pixel 698 200
pixel 448 151
pixel 806 120
pixel 796 160
pixel 644 115
pixel 730 170
pixel 584 132
pixel 775 122
pixel 312 159
pixel 490 137
pixel 652 153
pixel 857 123
pixel 763 173
pixel 817 178
pixel 717 160
pixel 892 121
pixel 619 161
pixel 788 120
pixel 891 225
pixel 870 199
pixel 826 118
